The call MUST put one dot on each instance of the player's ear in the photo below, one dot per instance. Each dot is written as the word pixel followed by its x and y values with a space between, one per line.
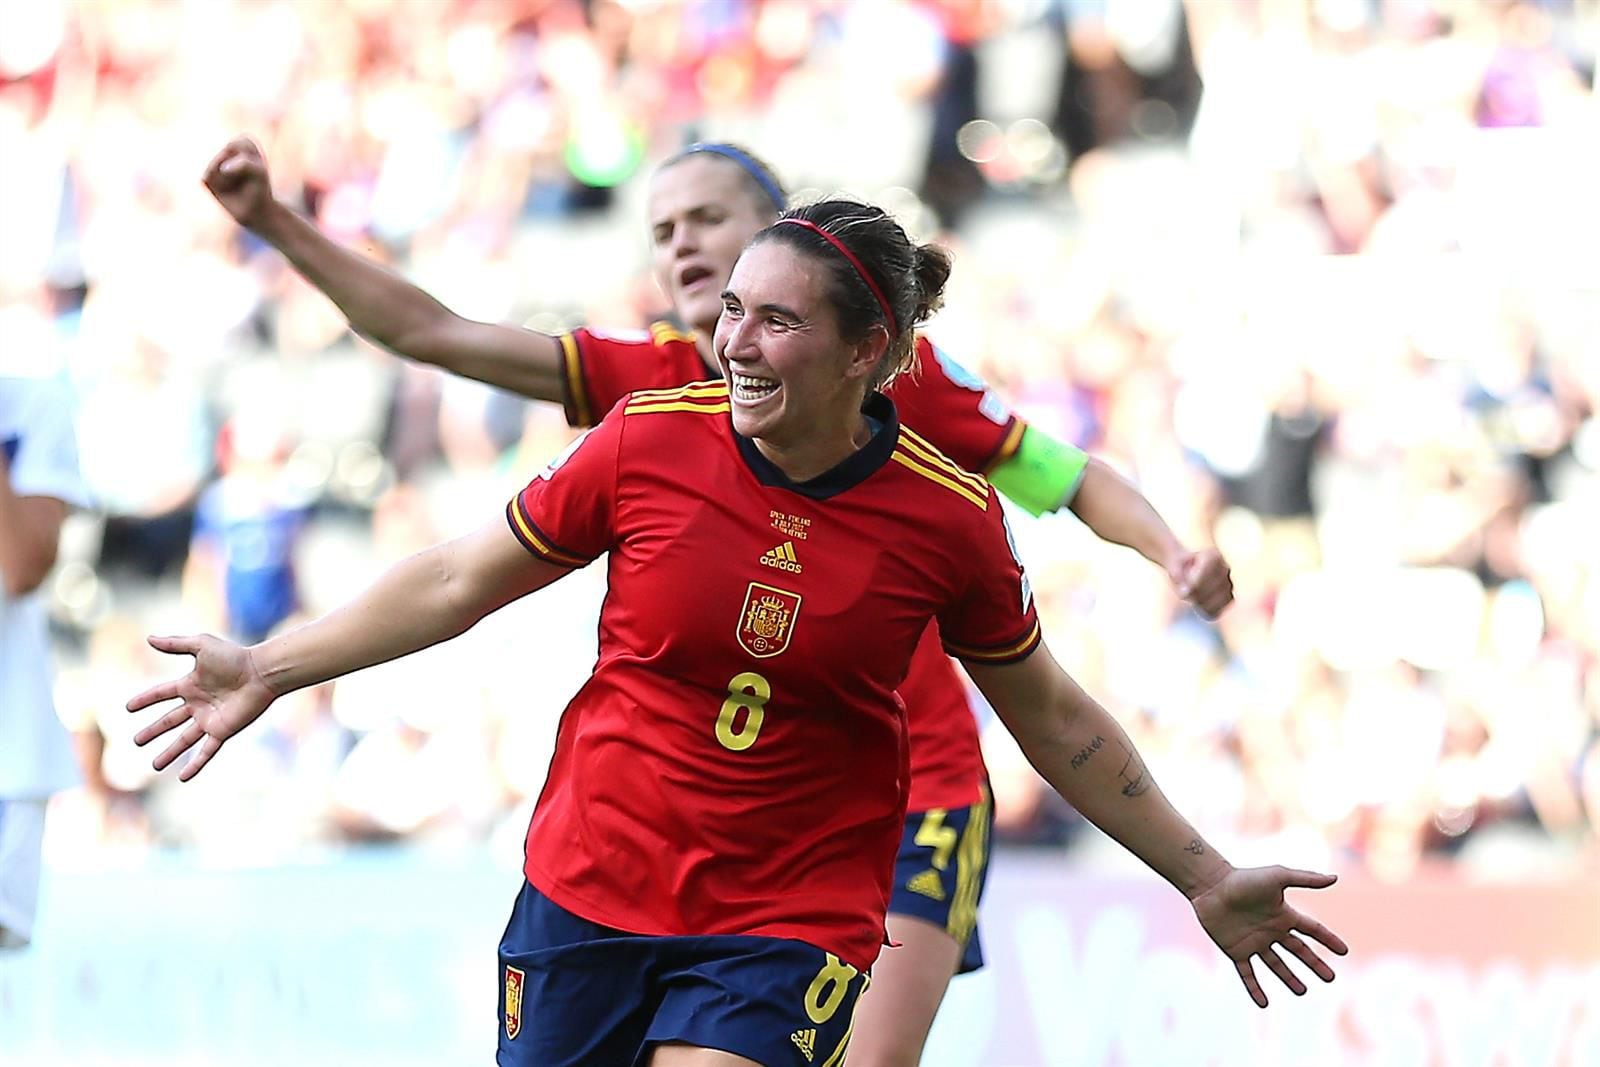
pixel 866 353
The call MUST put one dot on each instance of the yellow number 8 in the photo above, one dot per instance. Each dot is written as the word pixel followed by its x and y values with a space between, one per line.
pixel 751 692
pixel 828 989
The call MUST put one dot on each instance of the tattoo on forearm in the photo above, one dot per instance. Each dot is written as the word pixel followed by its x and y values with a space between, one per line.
pixel 1135 779
pixel 1196 847
pixel 1086 753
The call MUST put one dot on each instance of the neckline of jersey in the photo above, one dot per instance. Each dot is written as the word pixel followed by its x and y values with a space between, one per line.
pixel 848 472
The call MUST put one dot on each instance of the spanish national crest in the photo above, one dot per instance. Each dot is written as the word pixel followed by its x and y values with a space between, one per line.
pixel 766 623
pixel 514 979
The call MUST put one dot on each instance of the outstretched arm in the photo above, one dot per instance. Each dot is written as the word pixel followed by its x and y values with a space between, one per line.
pixel 378 303
pixel 1045 475
pixel 428 598
pixel 1081 751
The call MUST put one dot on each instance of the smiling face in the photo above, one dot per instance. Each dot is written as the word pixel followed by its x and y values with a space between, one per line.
pixel 794 381
pixel 702 214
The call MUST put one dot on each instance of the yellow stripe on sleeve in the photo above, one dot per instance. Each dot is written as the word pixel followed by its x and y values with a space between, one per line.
pixel 656 409
pixel 664 332
pixel 925 451
pixel 574 366
pixel 910 462
pixel 981 655
pixel 708 398
pixel 1009 446
pixel 539 545
pixel 709 389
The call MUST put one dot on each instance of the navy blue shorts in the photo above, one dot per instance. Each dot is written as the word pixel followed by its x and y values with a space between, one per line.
pixel 577 994
pixel 939 875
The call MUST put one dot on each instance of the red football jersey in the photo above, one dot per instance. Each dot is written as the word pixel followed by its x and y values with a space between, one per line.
pixel 737 762
pixel 951 407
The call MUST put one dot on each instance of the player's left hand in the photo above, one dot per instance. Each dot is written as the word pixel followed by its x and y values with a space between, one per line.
pixel 1246 915
pixel 1203 579
pixel 222 695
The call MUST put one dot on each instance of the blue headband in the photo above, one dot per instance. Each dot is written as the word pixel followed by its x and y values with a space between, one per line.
pixel 750 167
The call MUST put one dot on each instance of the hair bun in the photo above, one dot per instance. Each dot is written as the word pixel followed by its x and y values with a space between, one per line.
pixel 931 267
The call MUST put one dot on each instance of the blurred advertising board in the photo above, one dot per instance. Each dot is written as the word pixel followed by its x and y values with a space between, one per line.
pixel 1115 973
pixel 388 957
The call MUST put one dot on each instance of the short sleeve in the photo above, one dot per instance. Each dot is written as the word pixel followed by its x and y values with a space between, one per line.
pixel 956 411
pixel 44 454
pixel 994 620
pixel 567 514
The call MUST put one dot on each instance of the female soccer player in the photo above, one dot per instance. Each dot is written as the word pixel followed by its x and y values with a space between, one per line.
pixel 708 867
pixel 705 204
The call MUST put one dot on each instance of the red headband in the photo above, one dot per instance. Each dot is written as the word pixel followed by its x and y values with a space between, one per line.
pixel 861 271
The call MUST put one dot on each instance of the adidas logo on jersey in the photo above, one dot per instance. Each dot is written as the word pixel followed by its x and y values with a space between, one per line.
pixel 806 1042
pixel 782 558
pixel 927 883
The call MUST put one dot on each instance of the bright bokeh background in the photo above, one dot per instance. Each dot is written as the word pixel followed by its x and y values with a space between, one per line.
pixel 1320 275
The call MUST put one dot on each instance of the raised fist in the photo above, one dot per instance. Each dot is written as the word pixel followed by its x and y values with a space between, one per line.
pixel 237 177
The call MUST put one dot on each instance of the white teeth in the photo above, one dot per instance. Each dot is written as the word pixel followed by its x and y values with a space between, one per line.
pixel 746 387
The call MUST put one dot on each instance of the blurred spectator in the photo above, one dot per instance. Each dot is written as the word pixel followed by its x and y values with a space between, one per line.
pixel 1129 72
pixel 240 573
pixel 951 181
pixel 39 483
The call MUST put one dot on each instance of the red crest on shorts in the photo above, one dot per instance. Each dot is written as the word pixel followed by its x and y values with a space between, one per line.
pixel 766 622
pixel 514 979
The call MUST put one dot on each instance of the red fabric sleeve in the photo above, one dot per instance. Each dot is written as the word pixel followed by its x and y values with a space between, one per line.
pixel 567 514
pixel 602 368
pixel 956 411
pixel 994 620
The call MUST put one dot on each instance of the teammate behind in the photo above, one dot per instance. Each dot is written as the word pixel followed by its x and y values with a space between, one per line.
pixel 706 203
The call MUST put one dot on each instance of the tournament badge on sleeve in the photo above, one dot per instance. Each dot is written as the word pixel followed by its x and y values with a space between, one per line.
pixel 514 979
pixel 766 623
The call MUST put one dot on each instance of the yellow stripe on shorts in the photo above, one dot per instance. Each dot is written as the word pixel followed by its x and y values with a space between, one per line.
pixel 837 1058
pixel 970 856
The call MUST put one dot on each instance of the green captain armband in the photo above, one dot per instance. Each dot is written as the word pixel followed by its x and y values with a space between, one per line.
pixel 1042 474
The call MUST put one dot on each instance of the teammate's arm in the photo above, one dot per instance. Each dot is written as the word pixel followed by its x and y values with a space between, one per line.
pixel 1080 750
pixel 431 597
pixel 378 303
pixel 1044 475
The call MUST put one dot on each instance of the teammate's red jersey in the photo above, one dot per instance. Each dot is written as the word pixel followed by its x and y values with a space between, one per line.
pixel 736 763
pixel 951 407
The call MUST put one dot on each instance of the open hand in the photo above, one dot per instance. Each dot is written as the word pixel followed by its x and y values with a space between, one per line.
pixel 222 695
pixel 1246 915
pixel 237 177
pixel 1204 580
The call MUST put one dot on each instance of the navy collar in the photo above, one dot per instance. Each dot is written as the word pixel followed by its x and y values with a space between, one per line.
pixel 848 472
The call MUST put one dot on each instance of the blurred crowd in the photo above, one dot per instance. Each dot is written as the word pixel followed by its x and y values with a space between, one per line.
pixel 1319 275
